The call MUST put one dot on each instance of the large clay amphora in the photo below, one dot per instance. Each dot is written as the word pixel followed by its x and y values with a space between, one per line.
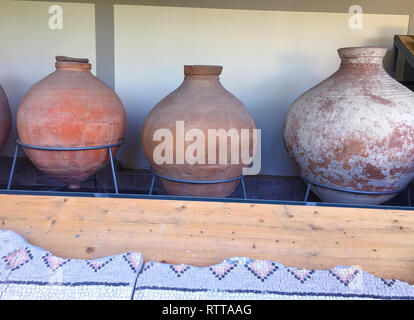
pixel 201 103
pixel 70 108
pixel 5 119
pixel 355 131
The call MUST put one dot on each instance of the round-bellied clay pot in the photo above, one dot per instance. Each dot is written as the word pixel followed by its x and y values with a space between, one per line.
pixel 70 108
pixel 355 130
pixel 201 102
pixel 5 119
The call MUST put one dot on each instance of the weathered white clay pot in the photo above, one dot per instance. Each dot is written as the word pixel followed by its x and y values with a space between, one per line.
pixel 355 130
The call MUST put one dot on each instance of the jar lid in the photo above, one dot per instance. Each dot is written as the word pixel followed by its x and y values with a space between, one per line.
pixel 203 70
pixel 69 59
pixel 69 62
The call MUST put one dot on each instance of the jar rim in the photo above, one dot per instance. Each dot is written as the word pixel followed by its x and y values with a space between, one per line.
pixel 213 70
pixel 69 62
pixel 359 52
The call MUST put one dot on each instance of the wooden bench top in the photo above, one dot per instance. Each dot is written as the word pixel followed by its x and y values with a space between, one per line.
pixel 408 42
pixel 380 241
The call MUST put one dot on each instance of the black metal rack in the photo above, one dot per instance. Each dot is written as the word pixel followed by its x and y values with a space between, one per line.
pixel 107 146
pixel 155 176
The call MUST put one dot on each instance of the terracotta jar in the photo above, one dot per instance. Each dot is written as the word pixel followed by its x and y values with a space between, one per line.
pixel 355 130
pixel 5 119
pixel 70 108
pixel 201 102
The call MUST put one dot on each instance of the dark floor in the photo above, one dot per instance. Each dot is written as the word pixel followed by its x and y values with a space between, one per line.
pixel 28 177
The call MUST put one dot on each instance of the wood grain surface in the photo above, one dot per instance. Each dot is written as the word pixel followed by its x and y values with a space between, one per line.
pixel 204 233
pixel 408 41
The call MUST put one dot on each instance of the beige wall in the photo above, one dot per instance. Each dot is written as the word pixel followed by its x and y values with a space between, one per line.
pixel 105 23
pixel 269 59
pixel 28 45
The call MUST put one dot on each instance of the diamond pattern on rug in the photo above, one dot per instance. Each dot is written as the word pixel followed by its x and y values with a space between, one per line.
pixel 179 269
pixel 98 265
pixel 301 274
pixel 147 265
pixel 389 282
pixel 261 269
pixel 18 258
pixel 221 270
pixel 53 262
pixel 344 274
pixel 133 259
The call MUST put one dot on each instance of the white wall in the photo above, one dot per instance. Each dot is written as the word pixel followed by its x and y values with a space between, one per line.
pixel 269 59
pixel 29 46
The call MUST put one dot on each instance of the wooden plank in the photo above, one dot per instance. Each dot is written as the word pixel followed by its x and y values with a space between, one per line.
pixel 408 42
pixel 204 233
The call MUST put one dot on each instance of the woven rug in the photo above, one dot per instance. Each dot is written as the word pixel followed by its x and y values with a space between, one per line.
pixel 28 272
pixel 244 278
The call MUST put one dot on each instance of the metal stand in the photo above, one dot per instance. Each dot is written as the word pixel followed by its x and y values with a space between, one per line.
pixel 318 184
pixel 155 175
pixel 108 146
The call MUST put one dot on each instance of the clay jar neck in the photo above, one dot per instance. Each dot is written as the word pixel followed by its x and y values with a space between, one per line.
pixel 363 58
pixel 72 64
pixel 208 74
